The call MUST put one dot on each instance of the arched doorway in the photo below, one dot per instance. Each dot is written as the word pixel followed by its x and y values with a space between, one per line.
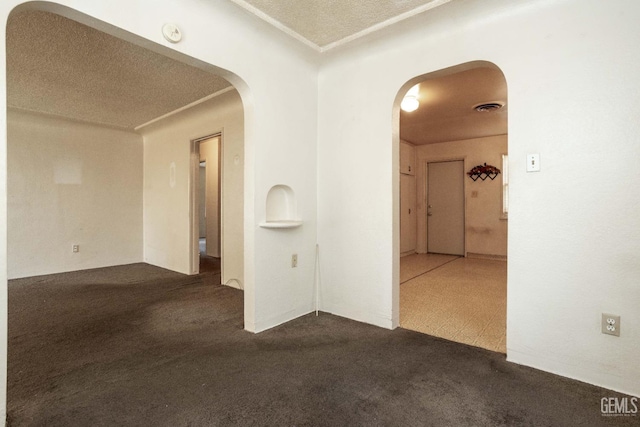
pixel 453 205
pixel 98 175
pixel 75 74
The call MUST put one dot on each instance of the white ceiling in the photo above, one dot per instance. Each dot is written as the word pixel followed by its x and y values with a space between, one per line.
pixel 447 113
pixel 446 103
pixel 60 67
pixel 324 24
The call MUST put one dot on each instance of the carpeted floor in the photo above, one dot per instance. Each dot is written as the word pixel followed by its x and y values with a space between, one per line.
pixel 138 345
pixel 209 265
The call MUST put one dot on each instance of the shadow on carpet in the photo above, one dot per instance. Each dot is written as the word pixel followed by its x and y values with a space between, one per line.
pixel 138 345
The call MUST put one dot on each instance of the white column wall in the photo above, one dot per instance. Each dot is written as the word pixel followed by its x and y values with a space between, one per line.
pixel 574 241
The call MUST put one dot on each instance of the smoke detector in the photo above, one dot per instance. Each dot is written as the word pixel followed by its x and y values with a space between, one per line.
pixel 171 32
pixel 488 106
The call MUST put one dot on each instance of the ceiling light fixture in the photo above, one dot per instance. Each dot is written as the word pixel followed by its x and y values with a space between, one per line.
pixel 488 106
pixel 410 101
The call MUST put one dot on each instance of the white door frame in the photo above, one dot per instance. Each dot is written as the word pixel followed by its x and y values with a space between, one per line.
pixel 194 201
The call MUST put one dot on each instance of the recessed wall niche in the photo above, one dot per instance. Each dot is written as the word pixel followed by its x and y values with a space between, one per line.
pixel 281 209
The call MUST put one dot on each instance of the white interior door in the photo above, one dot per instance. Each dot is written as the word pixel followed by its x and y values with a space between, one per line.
pixel 445 207
pixel 408 222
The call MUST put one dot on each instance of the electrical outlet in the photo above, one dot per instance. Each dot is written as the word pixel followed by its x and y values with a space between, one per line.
pixel 611 324
pixel 294 260
pixel 75 248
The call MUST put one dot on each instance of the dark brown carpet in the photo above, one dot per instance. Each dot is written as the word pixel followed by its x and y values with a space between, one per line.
pixel 138 345
pixel 209 264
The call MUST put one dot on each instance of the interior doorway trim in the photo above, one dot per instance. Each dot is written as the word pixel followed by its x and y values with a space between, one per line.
pixel 194 201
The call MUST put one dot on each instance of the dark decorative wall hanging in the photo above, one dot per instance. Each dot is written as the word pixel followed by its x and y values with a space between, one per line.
pixel 483 172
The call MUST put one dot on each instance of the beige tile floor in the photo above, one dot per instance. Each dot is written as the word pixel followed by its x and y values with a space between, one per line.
pixel 459 299
pixel 412 266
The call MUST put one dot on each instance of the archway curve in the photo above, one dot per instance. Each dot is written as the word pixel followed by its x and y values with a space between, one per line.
pixel 247 101
pixel 234 79
pixel 396 142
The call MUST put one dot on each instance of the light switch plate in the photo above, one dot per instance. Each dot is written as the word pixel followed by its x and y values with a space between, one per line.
pixel 533 162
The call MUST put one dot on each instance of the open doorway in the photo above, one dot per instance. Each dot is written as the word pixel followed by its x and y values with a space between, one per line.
pixel 105 153
pixel 114 132
pixel 98 138
pixel 453 229
pixel 209 210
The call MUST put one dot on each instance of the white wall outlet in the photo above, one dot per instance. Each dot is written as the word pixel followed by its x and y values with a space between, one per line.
pixel 611 324
pixel 533 162
pixel 294 260
pixel 75 248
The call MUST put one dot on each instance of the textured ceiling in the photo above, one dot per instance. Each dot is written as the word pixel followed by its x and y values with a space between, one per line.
pixel 58 66
pixel 446 110
pixel 323 24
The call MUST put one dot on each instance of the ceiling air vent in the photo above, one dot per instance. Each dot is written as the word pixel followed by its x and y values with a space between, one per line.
pixel 488 106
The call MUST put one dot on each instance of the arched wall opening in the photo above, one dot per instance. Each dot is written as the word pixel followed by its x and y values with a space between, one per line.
pixel 287 137
pixel 451 205
pixel 69 174
pixel 237 103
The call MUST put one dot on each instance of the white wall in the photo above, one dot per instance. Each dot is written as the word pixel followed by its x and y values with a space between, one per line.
pixel 485 231
pixel 166 208
pixel 71 183
pixel 574 240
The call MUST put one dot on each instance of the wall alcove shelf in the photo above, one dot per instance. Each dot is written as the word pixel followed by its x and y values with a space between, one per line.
pixel 281 224
pixel 281 208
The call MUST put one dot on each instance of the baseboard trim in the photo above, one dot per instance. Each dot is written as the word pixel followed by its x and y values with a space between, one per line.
pixel 591 373
pixel 474 255
pixel 363 316
pixel 278 320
